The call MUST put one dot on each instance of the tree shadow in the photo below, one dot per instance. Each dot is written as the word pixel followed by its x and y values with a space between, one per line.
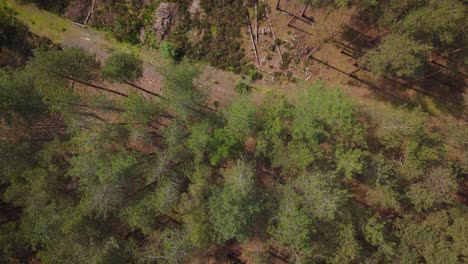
pixel 447 98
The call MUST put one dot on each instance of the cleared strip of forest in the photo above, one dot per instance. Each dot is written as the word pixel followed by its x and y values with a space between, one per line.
pixel 64 32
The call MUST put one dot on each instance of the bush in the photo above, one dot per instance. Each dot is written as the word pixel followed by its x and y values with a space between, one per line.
pixel 120 67
pixel 254 75
pixel 286 61
pixel 168 51
pixel 278 41
pixel 242 88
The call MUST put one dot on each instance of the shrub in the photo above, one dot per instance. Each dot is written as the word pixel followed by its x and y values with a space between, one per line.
pixel 168 51
pixel 254 75
pixel 242 88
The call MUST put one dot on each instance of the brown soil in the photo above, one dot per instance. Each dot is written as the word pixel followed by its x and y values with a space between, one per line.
pixel 331 31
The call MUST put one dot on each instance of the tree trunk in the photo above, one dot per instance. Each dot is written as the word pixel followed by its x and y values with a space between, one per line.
pixel 89 84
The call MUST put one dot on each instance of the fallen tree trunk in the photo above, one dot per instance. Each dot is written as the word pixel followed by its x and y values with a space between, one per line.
pixel 274 35
pixel 89 84
pixel 91 11
pixel 253 41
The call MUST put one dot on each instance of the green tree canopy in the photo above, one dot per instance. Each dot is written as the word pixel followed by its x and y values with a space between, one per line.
pixel 234 206
pixel 398 54
pixel 120 67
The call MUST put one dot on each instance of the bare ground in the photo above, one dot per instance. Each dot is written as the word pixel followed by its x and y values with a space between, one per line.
pixel 328 63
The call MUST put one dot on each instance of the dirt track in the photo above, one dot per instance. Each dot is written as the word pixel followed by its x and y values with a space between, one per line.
pixel 66 33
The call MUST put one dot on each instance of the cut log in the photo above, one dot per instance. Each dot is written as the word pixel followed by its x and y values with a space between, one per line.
pixel 305 8
pixel 253 41
pixel 313 51
pixel 90 13
pixel 78 24
pixel 353 72
pixel 256 23
pixel 274 35
pixel 97 87
pixel 292 19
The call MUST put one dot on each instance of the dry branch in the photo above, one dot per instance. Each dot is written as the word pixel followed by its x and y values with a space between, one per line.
pixel 256 23
pixel 292 19
pixel 93 4
pixel 274 35
pixel 89 84
pixel 78 24
pixel 314 50
pixel 253 41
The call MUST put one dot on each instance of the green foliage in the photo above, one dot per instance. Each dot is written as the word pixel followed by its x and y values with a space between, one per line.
pixel 72 62
pixel 385 196
pixel 15 40
pixel 421 197
pixel 170 245
pixel 234 206
pixel 350 162
pixel 139 217
pixel 306 204
pixel 416 28
pixel 398 54
pixel 200 230
pixel 51 5
pixel 287 58
pixel 430 239
pixel 292 227
pixel 274 114
pixel 242 88
pixel 125 30
pixel 458 231
pixel 137 109
pixel 38 175
pixel 102 174
pixel 322 197
pixel 168 50
pixel 374 232
pixel 53 70
pixel 120 67
pixel 320 116
pixel 295 158
pixel 241 117
pixel 197 220
pixel 18 96
pixel 438 187
pixel 198 140
pixel 419 147
pixel 223 145
pixel 437 22
pixel 253 75
pixel 322 112
pixel 181 89
pixel 98 194
pixel 15 158
pixel 349 248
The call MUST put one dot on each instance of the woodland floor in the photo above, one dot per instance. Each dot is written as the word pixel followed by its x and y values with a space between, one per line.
pixel 328 31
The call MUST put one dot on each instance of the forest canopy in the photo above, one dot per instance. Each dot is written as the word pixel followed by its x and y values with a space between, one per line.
pixel 101 163
pixel 123 179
